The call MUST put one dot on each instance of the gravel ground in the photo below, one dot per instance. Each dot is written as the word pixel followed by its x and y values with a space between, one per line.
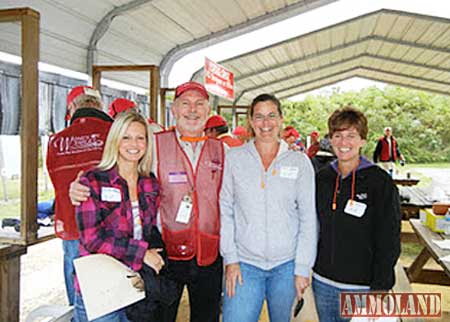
pixel 42 277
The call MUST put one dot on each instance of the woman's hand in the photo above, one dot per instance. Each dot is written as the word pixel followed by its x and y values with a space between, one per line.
pixel 78 192
pixel 137 281
pixel 232 273
pixel 153 259
pixel 301 284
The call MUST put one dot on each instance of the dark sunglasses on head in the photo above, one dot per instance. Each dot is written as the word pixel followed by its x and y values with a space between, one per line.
pixel 298 307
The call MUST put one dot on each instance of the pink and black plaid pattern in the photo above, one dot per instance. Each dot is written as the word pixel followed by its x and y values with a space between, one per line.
pixel 107 227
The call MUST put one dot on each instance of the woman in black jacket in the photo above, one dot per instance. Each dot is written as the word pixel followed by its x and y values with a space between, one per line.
pixel 359 214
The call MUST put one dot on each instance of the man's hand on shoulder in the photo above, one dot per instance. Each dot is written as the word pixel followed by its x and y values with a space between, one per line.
pixel 78 192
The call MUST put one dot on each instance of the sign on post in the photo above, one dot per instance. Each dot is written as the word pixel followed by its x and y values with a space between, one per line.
pixel 218 80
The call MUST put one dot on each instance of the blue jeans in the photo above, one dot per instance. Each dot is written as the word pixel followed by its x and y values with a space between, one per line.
pixel 275 285
pixel 80 313
pixel 71 251
pixel 327 299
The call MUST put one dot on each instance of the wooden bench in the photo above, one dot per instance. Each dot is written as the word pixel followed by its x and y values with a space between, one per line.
pixel 402 285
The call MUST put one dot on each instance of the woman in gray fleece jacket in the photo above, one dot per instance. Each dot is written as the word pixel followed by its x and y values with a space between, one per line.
pixel 268 220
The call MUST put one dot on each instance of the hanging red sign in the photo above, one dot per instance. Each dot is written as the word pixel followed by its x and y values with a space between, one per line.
pixel 218 80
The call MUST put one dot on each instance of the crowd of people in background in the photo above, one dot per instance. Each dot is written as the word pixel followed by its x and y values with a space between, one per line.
pixel 197 205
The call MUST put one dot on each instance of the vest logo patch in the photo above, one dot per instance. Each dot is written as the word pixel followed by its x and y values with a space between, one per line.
pixel 214 164
pixel 361 196
pixel 67 145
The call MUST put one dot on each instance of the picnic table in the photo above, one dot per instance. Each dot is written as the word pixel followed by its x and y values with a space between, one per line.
pixel 416 271
pixel 412 200
pixel 403 181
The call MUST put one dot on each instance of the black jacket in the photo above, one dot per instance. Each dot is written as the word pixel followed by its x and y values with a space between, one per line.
pixel 159 290
pixel 362 250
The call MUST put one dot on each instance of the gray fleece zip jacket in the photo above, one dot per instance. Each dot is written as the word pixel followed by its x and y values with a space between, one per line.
pixel 268 217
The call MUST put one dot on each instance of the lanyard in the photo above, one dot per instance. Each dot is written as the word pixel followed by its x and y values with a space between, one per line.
pixel 336 188
pixel 193 139
pixel 263 175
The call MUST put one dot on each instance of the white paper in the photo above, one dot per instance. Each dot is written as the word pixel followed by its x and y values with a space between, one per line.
pixel 104 284
pixel 445 258
pixel 444 244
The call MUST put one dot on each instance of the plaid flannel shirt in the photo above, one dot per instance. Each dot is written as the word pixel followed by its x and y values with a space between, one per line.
pixel 106 227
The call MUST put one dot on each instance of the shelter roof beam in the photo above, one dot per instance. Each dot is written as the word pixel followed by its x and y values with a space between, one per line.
pixel 248 26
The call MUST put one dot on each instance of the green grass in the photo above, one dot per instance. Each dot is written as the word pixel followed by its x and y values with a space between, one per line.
pixel 410 251
pixel 438 165
pixel 11 207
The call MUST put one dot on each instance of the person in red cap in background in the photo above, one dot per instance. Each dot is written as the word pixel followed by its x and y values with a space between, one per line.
pixel 76 148
pixel 122 104
pixel 241 133
pixel 292 138
pixel 189 167
pixel 314 147
pixel 216 127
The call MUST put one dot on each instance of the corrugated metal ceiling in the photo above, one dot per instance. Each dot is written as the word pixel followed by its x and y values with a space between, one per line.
pixel 141 31
pixel 395 47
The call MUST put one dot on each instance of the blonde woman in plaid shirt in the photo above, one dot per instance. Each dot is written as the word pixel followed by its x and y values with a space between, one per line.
pixel 122 204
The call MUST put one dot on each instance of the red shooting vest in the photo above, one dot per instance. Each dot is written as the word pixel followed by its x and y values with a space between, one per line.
pixel 384 154
pixel 76 148
pixel 200 236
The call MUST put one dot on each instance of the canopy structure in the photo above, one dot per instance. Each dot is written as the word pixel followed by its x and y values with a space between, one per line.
pixel 394 47
pixel 77 34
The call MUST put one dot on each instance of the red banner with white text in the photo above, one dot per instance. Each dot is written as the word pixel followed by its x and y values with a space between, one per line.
pixel 218 80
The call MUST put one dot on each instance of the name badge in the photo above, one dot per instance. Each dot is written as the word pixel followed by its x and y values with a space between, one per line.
pixel 111 194
pixel 289 172
pixel 355 208
pixel 178 177
pixel 184 211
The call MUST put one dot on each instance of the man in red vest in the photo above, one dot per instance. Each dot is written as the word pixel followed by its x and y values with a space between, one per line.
pixel 189 167
pixel 315 144
pixel 78 147
pixel 216 127
pixel 387 151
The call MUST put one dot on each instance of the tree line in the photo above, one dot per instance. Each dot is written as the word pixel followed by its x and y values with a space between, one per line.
pixel 420 120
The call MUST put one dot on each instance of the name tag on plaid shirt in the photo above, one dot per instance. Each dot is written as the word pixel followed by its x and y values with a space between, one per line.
pixel 111 194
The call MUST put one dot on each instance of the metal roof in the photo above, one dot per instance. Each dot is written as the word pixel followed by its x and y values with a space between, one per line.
pixel 395 47
pixel 76 34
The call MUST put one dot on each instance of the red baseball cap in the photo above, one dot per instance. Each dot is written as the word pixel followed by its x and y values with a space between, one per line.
pixel 191 86
pixel 215 121
pixel 314 134
pixel 241 131
pixel 120 105
pixel 289 130
pixel 80 90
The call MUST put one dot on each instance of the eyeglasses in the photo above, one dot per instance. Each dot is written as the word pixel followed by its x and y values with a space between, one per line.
pixel 260 117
